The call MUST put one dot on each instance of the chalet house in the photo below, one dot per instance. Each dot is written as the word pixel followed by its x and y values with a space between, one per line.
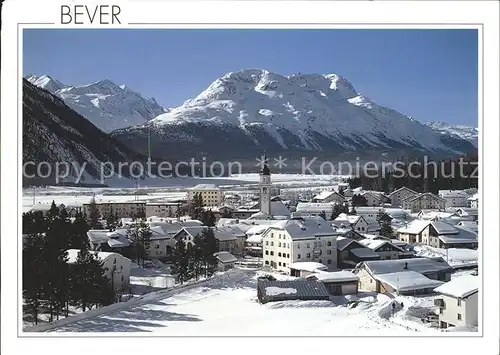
pixel 225 260
pixel 424 201
pixel 357 223
pixel 454 198
pixel 445 236
pixel 299 239
pixel 385 249
pixel 470 214
pixel 403 275
pixel 110 241
pixel 397 196
pixel 116 267
pixel 253 242
pixel 337 283
pixel 226 241
pixel 329 196
pixel 414 232
pixel 369 213
pixel 351 252
pixel 162 242
pixel 458 306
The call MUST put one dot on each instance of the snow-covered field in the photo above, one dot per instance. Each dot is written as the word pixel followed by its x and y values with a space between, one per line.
pixel 227 305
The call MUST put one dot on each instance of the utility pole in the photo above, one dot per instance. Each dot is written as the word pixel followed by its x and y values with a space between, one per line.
pixel 34 195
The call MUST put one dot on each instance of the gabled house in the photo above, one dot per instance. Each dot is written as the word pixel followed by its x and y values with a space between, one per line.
pixel 109 241
pixel 351 252
pixel 329 196
pixel 397 196
pixel 403 275
pixel 226 240
pixel 445 236
pixel 458 306
pixel 424 201
pixel 414 232
pixel 299 239
pixel 471 214
pixel 357 223
pixel 384 248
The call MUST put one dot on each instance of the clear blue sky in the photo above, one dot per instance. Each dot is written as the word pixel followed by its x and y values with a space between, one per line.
pixel 428 74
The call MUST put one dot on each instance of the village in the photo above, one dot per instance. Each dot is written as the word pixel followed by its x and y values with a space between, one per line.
pixel 307 246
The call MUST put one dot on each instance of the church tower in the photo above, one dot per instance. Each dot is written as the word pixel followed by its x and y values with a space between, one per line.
pixel 265 189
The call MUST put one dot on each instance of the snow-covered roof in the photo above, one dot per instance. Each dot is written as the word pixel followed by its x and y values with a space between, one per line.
pixel 337 276
pixel 259 229
pixel 308 266
pixel 315 207
pixel 225 257
pixel 460 287
pixel 470 225
pixel 200 187
pixel 452 193
pixel 467 211
pixel 444 228
pixel 462 236
pixel 364 253
pixel 352 219
pixel 326 194
pixel 375 244
pixel 421 265
pixel 260 215
pixel 414 227
pixel 306 227
pixel 274 291
pixel 404 188
pixel 255 238
pixel 73 255
pixel 407 281
pixel 424 195
pixel 278 208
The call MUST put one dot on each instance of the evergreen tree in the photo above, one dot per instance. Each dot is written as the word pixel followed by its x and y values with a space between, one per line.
pixel 227 214
pixel 180 265
pixel 140 238
pixel 79 238
pixel 179 212
pixel 210 247
pixel 196 263
pixel 384 220
pixel 195 208
pixel 34 278
pixel 112 221
pixel 94 215
pixel 359 200
pixel 208 218
pixel 323 215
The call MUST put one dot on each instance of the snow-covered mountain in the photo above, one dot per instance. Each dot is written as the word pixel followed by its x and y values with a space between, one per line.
pixel 253 109
pixel 105 104
pixel 469 133
pixel 53 132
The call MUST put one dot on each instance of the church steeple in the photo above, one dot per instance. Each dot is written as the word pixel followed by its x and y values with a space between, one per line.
pixel 265 169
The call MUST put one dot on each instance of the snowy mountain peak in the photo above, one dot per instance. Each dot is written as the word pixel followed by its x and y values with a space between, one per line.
pixel 105 104
pixel 46 82
pixel 340 84
pixel 465 132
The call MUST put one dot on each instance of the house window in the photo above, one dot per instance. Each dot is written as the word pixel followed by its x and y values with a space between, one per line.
pixel 308 245
pixel 320 261
pixel 272 253
pixel 287 255
pixel 284 264
pixel 329 252
pixel 279 264
pixel 272 235
pixel 279 254
pixel 308 255
pixel 441 311
pixel 279 244
pixel 122 278
pixel 329 261
pixel 267 262
pixel 272 244
pixel 157 246
pixel 121 267
pixel 459 316
pixel 329 244
pixel 298 245
pixel 298 256
pixel 114 261
pixel 267 252
pixel 267 242
pixel 459 302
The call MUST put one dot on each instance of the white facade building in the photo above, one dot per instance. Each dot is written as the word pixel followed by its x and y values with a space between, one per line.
pixel 302 239
pixel 424 201
pixel 459 305
pixel 116 267
pixel 397 196
pixel 211 194
pixel 454 198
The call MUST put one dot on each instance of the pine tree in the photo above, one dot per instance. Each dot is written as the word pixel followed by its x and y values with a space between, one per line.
pixel 94 215
pixel 34 278
pixel 196 209
pixel 179 212
pixel 208 218
pixel 384 220
pixel 140 238
pixel 196 257
pixel 359 200
pixel 210 247
pixel 227 214
pixel 180 265
pixel 79 238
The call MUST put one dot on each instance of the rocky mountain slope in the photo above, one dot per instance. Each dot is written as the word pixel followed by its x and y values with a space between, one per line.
pixel 469 133
pixel 105 104
pixel 246 112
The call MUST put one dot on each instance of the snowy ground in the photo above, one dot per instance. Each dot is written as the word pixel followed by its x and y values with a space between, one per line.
pixel 455 257
pixel 227 305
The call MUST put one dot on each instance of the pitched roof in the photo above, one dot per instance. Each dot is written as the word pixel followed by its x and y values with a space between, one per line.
pixel 291 290
pixel 73 255
pixel 463 236
pixel 414 227
pixel 401 189
pixel 204 187
pixel 225 257
pixel 337 276
pixel 444 228
pixel 421 265
pixel 308 266
pixel 306 227
pixel 422 195
pixel 325 194
pixel 460 287
pixel 407 281
pixel 364 253
pixel 376 244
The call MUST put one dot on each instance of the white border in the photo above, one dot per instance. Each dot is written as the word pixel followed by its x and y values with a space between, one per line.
pixel 284 13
